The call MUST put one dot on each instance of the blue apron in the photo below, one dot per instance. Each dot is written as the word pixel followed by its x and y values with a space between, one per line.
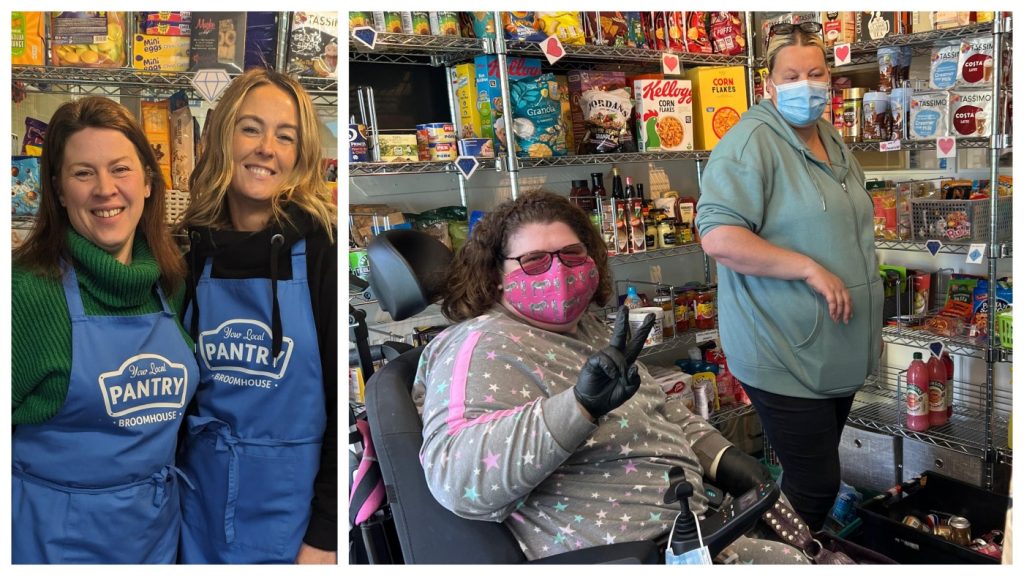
pixel 254 448
pixel 96 483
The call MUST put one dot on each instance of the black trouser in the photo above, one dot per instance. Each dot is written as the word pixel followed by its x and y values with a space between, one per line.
pixel 805 432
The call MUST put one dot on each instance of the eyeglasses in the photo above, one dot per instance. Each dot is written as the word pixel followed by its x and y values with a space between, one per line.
pixel 539 261
pixel 784 28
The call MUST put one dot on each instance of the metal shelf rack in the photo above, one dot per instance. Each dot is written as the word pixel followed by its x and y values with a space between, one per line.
pixel 397 168
pixel 691 248
pixel 417 49
pixel 624 158
pixel 591 54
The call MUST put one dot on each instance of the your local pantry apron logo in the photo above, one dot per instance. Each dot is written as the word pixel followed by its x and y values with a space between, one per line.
pixel 142 382
pixel 244 346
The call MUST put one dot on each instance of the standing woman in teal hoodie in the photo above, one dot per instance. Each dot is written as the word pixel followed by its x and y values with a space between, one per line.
pixel 784 213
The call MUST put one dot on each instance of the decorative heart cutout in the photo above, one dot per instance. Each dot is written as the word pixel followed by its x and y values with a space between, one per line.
pixel 554 48
pixel 945 144
pixel 672 63
pixel 842 53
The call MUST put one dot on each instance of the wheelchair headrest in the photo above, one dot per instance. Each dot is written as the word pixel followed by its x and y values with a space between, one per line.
pixel 407 270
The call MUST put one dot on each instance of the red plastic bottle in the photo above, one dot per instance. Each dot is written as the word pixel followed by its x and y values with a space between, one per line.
pixel 936 392
pixel 917 394
pixel 947 361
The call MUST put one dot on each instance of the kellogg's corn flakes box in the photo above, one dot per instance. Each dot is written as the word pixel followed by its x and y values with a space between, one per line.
pixel 664 111
pixel 719 98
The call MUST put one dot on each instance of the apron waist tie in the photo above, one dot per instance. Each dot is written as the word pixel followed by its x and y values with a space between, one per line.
pixel 160 480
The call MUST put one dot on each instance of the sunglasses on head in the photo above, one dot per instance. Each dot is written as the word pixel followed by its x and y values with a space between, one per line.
pixel 785 28
pixel 539 262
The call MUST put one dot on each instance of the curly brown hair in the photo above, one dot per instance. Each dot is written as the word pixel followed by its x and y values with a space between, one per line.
pixel 476 271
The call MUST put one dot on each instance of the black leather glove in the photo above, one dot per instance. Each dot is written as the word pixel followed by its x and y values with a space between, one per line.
pixel 609 377
pixel 738 471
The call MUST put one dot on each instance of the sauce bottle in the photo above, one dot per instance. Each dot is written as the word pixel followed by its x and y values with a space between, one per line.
pixel 947 361
pixel 581 196
pixel 936 392
pixel 917 394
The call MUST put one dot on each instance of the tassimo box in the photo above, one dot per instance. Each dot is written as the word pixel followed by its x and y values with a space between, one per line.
pixel 971 113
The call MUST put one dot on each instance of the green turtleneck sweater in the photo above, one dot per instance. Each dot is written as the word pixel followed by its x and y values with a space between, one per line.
pixel 41 324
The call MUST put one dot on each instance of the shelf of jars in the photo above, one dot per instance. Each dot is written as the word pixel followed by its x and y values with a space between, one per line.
pixel 590 53
pixel 879 406
pixel 623 158
pixel 397 168
pixel 119 81
pixel 682 250
pixel 416 49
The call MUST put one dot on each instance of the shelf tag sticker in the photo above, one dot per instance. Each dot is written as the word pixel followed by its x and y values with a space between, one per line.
pixel 945 147
pixel 933 246
pixel 976 254
pixel 842 54
pixel 670 63
pixel 210 83
pixel 552 49
pixel 706 336
pixel 467 165
pixel 890 146
pixel 937 348
pixel 366 36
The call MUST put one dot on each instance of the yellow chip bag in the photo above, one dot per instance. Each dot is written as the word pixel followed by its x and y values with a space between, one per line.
pixel 567 26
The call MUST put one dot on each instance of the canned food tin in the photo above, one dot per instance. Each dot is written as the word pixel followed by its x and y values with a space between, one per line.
pixel 933 520
pixel 943 531
pixel 439 132
pixel 913 522
pixel 442 152
pixel 960 529
pixel 359 263
pixel 853 110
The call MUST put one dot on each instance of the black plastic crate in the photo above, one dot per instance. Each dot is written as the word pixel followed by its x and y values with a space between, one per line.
pixel 885 532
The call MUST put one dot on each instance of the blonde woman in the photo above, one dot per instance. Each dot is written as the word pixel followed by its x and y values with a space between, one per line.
pixel 784 213
pixel 261 307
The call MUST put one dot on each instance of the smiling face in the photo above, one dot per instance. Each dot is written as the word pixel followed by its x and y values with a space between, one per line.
pixel 264 151
pixel 103 187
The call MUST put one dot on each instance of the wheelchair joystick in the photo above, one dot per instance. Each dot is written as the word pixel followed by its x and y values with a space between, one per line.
pixel 684 531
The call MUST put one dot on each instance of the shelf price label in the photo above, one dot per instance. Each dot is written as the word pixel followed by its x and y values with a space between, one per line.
pixel 945 147
pixel 467 165
pixel 890 146
pixel 366 36
pixel 842 54
pixel 552 49
pixel 706 336
pixel 670 64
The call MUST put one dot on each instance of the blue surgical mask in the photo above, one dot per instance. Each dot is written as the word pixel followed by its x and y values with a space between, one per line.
pixel 801 103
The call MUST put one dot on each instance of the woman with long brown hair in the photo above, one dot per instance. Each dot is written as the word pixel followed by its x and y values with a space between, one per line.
pixel 101 369
pixel 262 308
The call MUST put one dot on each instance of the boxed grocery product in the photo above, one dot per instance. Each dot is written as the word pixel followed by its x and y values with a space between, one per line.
pixel 35 135
pixel 563 97
pixel 697 40
pixel 537 117
pixel 581 81
pixel 28 34
pixel 929 115
pixel 393 22
pixel 167 29
pixel 357 143
pixel 839 27
pixel 420 23
pixel 25 186
pixel 480 147
pixel 444 23
pixel 313 44
pixel 727 33
pixel 489 90
pixel 719 98
pixel 664 111
pixel 360 20
pixel 472 124
pixel 156 123
pixel 218 40
pixel 873 26
pixel 567 26
pixel 167 17
pixel 944 65
pixel 975 65
pixel 162 53
pixel 397 147
pixel 89 39
pixel 183 154
pixel 521 26
pixel 946 20
pixel 971 113
pixel 260 39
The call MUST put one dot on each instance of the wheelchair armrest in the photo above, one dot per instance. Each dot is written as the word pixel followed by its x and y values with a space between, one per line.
pixel 642 552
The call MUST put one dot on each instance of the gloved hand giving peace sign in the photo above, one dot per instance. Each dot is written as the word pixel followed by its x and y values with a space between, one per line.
pixel 609 377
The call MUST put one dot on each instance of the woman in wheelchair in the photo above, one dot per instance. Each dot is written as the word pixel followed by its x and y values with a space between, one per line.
pixel 535 414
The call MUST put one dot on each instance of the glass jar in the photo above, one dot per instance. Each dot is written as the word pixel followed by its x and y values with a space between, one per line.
pixel 705 309
pixel 651 233
pixel 582 197
pixel 667 233
pixel 684 308
pixel 853 105
pixel 665 302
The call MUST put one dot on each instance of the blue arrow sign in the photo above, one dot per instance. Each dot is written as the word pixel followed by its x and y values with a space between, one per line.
pixel 467 165
pixel 366 36
pixel 933 246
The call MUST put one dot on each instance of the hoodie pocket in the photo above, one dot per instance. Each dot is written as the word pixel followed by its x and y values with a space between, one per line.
pixel 836 358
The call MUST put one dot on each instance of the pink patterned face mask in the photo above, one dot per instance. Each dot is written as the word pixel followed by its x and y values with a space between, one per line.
pixel 558 296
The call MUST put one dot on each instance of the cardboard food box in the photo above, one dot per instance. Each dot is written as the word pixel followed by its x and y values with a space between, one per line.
pixel 876 25
pixel 183 154
pixel 398 148
pixel 161 53
pixel 89 39
pixel 218 40
pixel 581 81
pixel 471 121
pixel 156 123
pixel 28 34
pixel 664 111
pixel 719 98
pixel 839 27
pixel 488 89
pixel 260 39
pixel 313 44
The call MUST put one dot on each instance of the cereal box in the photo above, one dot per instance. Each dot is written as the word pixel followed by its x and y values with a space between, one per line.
pixel 89 39
pixel 156 123
pixel 839 27
pixel 471 123
pixel 664 111
pixel 313 44
pixel 971 112
pixel 27 37
pixel 581 81
pixel 929 113
pixel 489 90
pixel 719 98
pixel 162 53
pixel 218 41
